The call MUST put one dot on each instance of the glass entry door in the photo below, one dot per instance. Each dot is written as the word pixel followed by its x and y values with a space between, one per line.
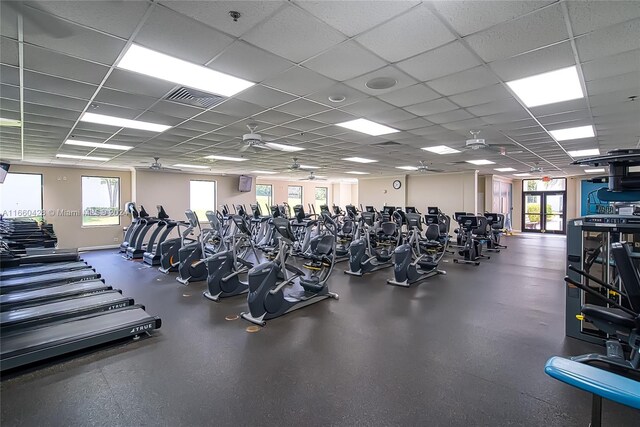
pixel 544 212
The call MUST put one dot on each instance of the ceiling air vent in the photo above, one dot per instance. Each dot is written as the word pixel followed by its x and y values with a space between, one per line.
pixel 387 144
pixel 195 98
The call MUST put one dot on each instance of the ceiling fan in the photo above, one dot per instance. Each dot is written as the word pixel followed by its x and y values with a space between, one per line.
pixel 253 141
pixel 313 177
pixel 156 166
pixel 295 166
pixel 476 143
pixel 424 168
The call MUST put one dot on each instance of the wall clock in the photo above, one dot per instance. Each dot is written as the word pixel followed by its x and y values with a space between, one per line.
pixel 397 184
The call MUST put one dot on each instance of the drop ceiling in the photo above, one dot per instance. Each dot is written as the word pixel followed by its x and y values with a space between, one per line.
pixel 450 60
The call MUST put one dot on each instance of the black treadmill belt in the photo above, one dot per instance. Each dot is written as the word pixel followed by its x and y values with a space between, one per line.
pixel 38 296
pixel 36 269
pixel 44 280
pixel 41 256
pixel 32 345
pixel 62 309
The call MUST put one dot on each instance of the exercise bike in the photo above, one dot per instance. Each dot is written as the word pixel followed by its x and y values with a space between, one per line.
pixel 472 249
pixel 224 268
pixel 373 251
pixel 267 298
pixel 418 259
pixel 192 268
pixel 495 223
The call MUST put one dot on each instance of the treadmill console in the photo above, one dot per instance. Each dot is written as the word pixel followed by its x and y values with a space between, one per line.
pixel 410 210
pixel 433 210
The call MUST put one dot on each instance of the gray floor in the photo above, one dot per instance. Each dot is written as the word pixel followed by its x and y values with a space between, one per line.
pixel 464 349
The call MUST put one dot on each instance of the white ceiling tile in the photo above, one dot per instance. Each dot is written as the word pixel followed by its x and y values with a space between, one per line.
pixel 401 78
pixel 275 117
pixel 240 60
pixel 481 96
pixel 9 20
pixel 367 107
pixel 51 100
pixel 582 116
pixel 613 65
pixel 351 95
pixel 439 62
pixel 288 34
pixel 536 62
pixel 215 117
pixel 79 42
pixel 559 107
pixel 474 78
pixel 409 95
pixel 532 31
pixel 114 97
pixel 264 96
pixel 411 124
pixel 176 110
pixel 9 52
pixel 130 82
pixel 302 107
pixel 238 108
pixel 305 125
pixel 353 17
pixel 609 41
pixel 494 107
pixel 299 81
pixel 216 14
pixel 464 125
pixel 391 116
pixel 432 107
pixel 333 117
pixel 57 64
pixel 586 16
pixel 609 98
pixel 430 131
pixel 449 116
pixel 58 86
pixel 407 35
pixel 509 117
pixel 629 82
pixel 471 16
pixel 345 61
pixel 174 34
pixel 111 17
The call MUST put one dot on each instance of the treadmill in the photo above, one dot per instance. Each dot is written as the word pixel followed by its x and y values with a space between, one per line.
pixel 15 300
pixel 61 309
pixel 45 280
pixel 24 346
pixel 36 269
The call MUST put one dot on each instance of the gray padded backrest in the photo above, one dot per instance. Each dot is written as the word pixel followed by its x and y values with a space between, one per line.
pixel 433 232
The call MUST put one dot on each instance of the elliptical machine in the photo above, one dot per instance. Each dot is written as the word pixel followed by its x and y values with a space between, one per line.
pixel 369 253
pixel 192 268
pixel 472 249
pixel 418 259
pixel 496 225
pixel 224 268
pixel 267 298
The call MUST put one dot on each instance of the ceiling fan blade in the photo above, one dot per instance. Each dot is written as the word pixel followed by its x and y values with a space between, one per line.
pixel 244 148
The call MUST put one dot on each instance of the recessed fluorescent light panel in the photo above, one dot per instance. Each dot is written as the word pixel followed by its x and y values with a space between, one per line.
pixel 407 168
pixel 441 149
pixel 594 170
pixel 73 156
pixel 573 133
pixel 359 160
pixel 10 122
pixel 548 88
pixel 481 162
pixel 584 153
pixel 264 172
pixel 309 167
pixel 183 165
pixel 97 145
pixel 368 127
pixel 505 169
pixel 231 159
pixel 122 123
pixel 165 67
pixel 358 173
pixel 522 174
pixel 283 147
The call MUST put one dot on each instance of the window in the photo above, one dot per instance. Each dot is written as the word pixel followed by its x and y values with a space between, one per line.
pixel 556 184
pixel 202 198
pixel 21 195
pixel 100 201
pixel 294 195
pixel 264 196
pixel 322 198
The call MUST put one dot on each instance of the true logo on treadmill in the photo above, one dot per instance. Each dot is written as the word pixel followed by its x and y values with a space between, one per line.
pixel 119 305
pixel 141 328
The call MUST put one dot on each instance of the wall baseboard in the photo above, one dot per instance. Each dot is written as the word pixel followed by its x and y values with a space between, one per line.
pixel 97 248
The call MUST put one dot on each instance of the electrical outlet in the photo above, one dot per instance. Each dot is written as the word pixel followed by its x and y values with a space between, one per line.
pixel 115 239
